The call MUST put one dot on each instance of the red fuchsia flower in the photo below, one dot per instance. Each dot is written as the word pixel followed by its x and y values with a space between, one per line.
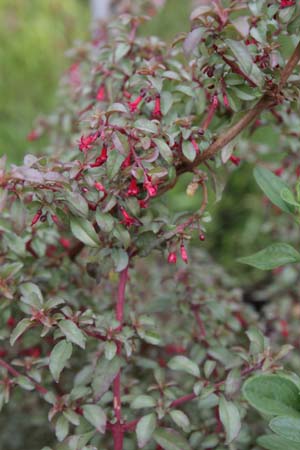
pixel 33 352
pixel 202 237
pixel 235 160
pixel 279 171
pixel 173 349
pixel 126 162
pixel 284 328
pixel 36 217
pixel 156 114
pixel 11 322
pixel 226 101
pixel 33 136
pixel 55 219
pixel 150 187
pixel 127 219
pixel 286 3
pixel 86 142
pixel 143 204
pixel 3 352
pixel 133 188
pixel 99 186
pixel 183 253
pixel 134 105
pixel 172 258
pixel 66 243
pixel 101 159
pixel 51 250
pixel 101 94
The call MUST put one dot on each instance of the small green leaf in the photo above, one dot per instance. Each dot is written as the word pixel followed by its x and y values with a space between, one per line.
pixel 287 427
pixel 60 354
pixel 245 61
pixel 272 395
pixel 72 332
pixel 181 419
pixel 272 186
pixel 143 401
pixel 164 150
pixel 230 418
pixel 31 295
pixel 61 428
pixel 275 255
pixel 104 221
pixel 95 415
pixel 21 327
pixel 105 373
pixel 189 151
pixel 120 258
pixel 184 364
pixel 288 197
pixel 77 204
pixel 146 125
pixel 84 231
pixel 113 164
pixel 110 350
pixel 145 429
pixel 169 439
pixel 272 442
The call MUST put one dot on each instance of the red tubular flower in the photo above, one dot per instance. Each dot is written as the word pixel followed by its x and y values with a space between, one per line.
pixel 134 105
pixel 286 3
pixel 126 162
pixel 284 328
pixel 279 171
pixel 11 322
pixel 55 219
pixel 202 237
pixel 172 258
pixel 128 220
pixel 99 187
pixel 235 160
pixel 173 349
pixel 150 187
pixel 86 142
pixel 226 101
pixel 133 188
pixel 33 136
pixel 143 204
pixel 101 159
pixel 36 217
pixel 101 95
pixel 156 114
pixel 183 253
pixel 66 243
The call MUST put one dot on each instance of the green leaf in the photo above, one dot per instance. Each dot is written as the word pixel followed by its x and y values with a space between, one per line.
pixel 95 415
pixel 230 418
pixel 77 204
pixel 113 164
pixel 275 255
pixel 84 231
pixel 110 350
pixel 164 150
pixel 121 50
pixel 106 371
pixel 272 186
pixel 181 419
pixel 288 197
pixel 104 221
pixel 143 401
pixel 61 428
pixel 169 439
pixel 272 395
pixel 287 427
pixel 146 125
pixel 272 442
pixel 120 258
pixel 21 327
pixel 31 295
pixel 188 150
pixel 184 364
pixel 245 61
pixel 72 332
pixel 60 354
pixel 145 429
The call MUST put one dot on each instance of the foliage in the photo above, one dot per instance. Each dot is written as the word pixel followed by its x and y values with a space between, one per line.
pixel 116 362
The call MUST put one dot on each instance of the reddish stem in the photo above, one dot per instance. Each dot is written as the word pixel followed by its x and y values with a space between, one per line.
pixel 118 430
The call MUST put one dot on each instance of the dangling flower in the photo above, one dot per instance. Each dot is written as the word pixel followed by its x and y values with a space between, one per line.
pixel 86 142
pixel 172 258
pixel 150 187
pixel 279 171
pixel 101 95
pixel 156 114
pixel 134 105
pixel 126 162
pixel 133 188
pixel 183 253
pixel 36 217
pixel 99 186
pixel 235 160
pixel 33 136
pixel 66 243
pixel 128 220
pixel 101 159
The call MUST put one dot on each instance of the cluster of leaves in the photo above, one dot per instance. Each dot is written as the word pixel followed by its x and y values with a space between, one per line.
pixel 135 115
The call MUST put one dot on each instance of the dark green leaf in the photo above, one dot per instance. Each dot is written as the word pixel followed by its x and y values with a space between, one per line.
pixel 230 418
pixel 84 231
pixel 287 427
pixel 72 332
pixel 59 357
pixel 272 442
pixel 169 439
pixel 96 416
pixel 275 255
pixel 145 429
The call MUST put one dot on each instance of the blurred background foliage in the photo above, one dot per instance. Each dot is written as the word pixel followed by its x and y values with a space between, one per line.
pixel 34 36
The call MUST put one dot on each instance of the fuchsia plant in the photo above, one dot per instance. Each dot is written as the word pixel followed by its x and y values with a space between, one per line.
pixel 115 340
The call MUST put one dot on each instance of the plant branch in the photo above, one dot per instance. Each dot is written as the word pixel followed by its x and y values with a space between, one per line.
pixel 118 430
